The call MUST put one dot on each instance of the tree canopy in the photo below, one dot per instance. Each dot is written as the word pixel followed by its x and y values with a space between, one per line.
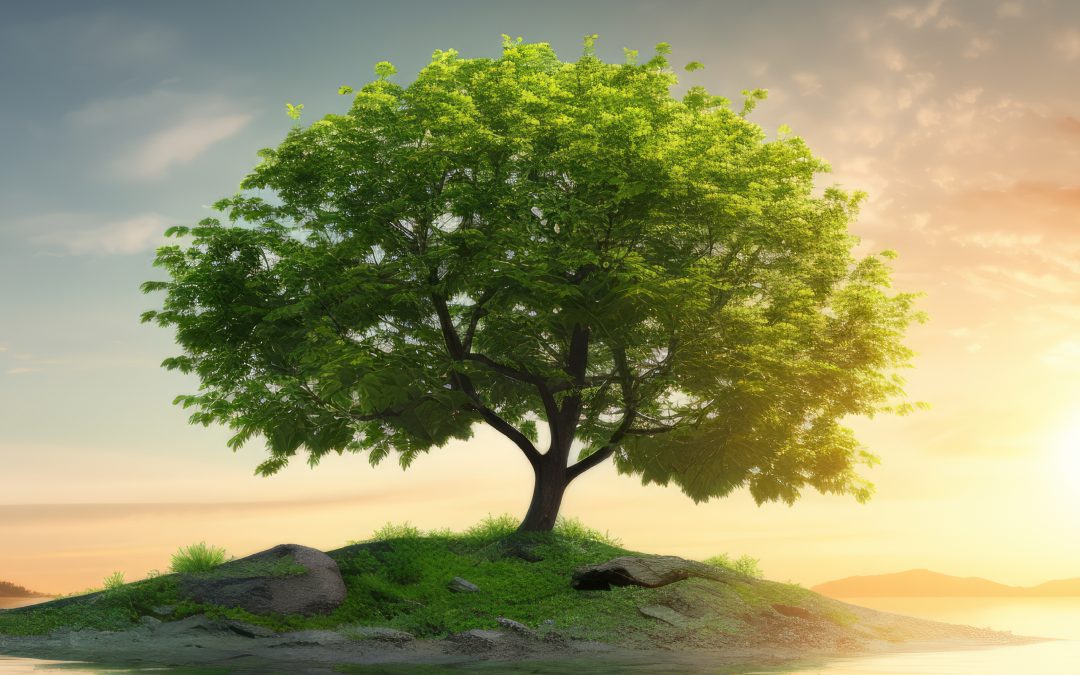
pixel 556 249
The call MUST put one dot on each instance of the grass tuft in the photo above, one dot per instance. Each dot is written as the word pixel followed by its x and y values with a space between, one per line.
pixel 751 567
pixel 113 581
pixel 197 558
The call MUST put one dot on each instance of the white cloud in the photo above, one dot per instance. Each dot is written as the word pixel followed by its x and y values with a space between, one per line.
pixel 170 128
pixel 22 371
pixel 915 16
pixel 177 146
pixel 999 240
pixel 1068 44
pixel 78 235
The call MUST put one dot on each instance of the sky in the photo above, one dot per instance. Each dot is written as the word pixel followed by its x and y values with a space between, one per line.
pixel 960 119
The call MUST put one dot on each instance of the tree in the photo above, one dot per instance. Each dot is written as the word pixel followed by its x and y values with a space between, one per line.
pixel 559 250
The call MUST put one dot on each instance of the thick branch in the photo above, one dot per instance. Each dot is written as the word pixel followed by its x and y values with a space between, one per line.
pixel 464 384
pixel 604 452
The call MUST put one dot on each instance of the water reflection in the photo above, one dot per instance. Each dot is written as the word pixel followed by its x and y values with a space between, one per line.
pixel 1050 617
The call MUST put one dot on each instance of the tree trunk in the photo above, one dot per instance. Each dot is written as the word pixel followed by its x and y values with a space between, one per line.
pixel 547 495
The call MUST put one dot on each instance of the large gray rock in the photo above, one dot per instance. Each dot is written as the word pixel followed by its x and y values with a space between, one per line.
pixel 270 582
pixel 650 572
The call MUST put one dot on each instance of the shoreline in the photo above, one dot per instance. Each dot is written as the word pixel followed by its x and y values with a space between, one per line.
pixel 216 644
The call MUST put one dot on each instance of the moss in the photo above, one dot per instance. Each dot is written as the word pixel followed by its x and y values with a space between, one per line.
pixel 285 566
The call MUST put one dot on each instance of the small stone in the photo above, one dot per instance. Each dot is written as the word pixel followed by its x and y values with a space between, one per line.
pixel 459 585
pixel 515 626
pixel 163 610
pixel 149 621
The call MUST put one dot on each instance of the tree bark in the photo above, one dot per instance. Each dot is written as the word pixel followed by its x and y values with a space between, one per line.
pixel 548 489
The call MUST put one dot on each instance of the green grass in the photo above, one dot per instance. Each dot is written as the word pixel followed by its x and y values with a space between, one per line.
pixel 398 578
pixel 113 581
pixel 197 558
pixel 751 567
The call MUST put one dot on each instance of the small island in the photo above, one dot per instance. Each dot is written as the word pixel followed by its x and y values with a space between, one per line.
pixel 573 596
pixel 10 590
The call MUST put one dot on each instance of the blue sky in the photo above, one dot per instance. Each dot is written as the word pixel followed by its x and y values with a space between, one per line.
pixel 961 119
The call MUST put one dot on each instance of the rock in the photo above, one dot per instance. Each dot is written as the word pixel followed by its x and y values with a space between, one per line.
pixel 798 612
pixel 163 610
pixel 459 585
pixel 245 583
pixel 477 640
pixel 248 630
pixel 378 633
pixel 310 638
pixel 665 614
pixel 200 624
pixel 515 626
pixel 149 621
pixel 650 572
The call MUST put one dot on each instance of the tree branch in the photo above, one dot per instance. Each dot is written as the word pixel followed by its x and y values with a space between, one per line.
pixel 462 382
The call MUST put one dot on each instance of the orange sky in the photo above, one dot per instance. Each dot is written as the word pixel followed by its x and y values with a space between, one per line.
pixel 961 120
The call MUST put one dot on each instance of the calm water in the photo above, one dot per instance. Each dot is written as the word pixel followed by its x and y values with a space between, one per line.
pixel 1046 617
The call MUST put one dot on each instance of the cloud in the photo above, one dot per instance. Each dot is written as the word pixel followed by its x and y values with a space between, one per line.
pixel 178 145
pixel 75 234
pixel 170 128
pixel 1068 44
pixel 1065 354
pixel 916 16
pixel 809 83
pixel 977 47
pixel 23 371
pixel 893 58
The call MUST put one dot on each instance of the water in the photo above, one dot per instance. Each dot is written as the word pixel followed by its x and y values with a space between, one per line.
pixel 8 603
pixel 1044 617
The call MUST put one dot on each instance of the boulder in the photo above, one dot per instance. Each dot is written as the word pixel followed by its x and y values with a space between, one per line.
pixel 459 585
pixel 650 572
pixel 271 582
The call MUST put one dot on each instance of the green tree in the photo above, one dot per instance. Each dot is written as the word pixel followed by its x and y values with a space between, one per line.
pixel 562 250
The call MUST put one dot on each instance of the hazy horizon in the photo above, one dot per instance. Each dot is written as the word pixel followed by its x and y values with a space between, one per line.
pixel 127 117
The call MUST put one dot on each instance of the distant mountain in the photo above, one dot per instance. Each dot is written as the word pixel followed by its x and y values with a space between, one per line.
pixel 10 590
pixel 924 583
